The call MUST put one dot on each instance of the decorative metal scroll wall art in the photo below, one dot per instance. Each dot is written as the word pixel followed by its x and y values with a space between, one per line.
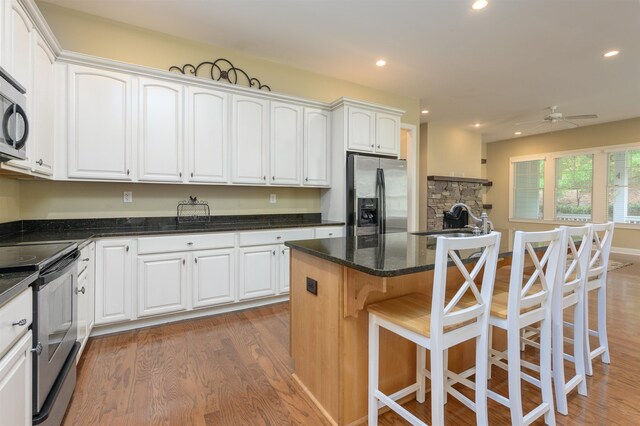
pixel 221 69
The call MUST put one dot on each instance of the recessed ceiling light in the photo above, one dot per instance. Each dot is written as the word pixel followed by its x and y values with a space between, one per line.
pixel 611 53
pixel 381 63
pixel 476 125
pixel 479 4
pixel 517 133
pixel 425 111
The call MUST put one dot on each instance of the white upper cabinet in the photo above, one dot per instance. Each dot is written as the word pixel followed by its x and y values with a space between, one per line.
pixel 286 144
pixel 361 127
pixel 17 60
pixel 43 128
pixel 250 140
pixel 99 111
pixel 160 131
pixel 387 134
pixel 317 134
pixel 208 135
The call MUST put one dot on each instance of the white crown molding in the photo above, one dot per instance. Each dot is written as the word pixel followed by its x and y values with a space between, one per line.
pixel 343 101
pixel 42 26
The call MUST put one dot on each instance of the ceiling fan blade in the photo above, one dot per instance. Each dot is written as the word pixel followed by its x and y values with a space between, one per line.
pixel 581 117
pixel 570 122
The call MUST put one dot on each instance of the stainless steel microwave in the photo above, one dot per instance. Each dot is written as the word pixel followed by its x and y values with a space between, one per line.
pixel 15 125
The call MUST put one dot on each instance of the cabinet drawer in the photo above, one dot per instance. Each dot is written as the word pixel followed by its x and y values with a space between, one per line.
pixel 185 242
pixel 277 236
pixel 21 307
pixel 330 232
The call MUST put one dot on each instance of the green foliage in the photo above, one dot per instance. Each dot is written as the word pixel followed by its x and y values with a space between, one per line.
pixel 574 173
pixel 570 209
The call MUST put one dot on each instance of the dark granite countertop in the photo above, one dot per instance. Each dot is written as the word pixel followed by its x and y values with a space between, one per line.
pixel 387 255
pixel 14 283
pixel 83 230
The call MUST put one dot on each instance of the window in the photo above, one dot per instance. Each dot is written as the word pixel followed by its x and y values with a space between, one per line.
pixel 623 188
pixel 574 187
pixel 528 188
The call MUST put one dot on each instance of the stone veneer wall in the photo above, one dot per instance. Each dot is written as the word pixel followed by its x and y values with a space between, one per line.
pixel 441 195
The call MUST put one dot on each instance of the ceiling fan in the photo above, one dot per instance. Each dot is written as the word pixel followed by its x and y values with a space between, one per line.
pixel 555 116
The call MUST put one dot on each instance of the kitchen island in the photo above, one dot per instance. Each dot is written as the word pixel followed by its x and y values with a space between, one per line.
pixel 332 281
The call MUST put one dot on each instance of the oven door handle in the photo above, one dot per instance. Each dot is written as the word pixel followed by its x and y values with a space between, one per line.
pixel 61 268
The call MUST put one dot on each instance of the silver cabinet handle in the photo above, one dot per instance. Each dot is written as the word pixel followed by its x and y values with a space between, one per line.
pixel 196 260
pixel 180 174
pixel 330 234
pixel 191 174
pixel 278 237
pixel 190 243
pixel 86 259
pixel 82 290
pixel 127 248
pixel 20 323
pixel 39 162
pixel 371 145
pixel 37 349
pixel 282 251
pixel 378 146
pixel 127 172
pixel 184 261
pixel 306 179
pixel 274 252
pixel 264 178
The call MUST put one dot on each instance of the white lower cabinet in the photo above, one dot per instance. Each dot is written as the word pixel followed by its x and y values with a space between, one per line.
pixel 16 383
pixel 83 310
pixel 258 271
pixel 114 281
pixel 213 277
pixel 162 284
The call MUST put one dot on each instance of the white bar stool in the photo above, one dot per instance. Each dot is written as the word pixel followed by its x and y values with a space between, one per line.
pixel 517 305
pixel 432 324
pixel 570 291
pixel 602 235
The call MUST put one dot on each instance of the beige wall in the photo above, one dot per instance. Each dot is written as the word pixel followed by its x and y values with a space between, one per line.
pixel 499 153
pixel 9 200
pixel 55 200
pixel 453 151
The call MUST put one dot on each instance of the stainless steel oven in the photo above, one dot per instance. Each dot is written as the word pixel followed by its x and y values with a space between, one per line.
pixel 15 125
pixel 55 324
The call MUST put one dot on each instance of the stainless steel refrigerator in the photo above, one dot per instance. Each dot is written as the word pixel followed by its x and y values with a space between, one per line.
pixel 376 195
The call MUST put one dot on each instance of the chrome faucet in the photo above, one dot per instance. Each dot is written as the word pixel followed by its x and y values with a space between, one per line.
pixel 482 223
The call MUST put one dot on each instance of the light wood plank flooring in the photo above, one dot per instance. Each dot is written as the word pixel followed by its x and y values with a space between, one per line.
pixel 234 369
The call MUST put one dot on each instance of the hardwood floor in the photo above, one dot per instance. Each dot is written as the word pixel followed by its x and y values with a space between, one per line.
pixel 234 369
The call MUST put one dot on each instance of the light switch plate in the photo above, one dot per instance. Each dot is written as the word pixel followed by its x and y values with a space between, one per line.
pixel 272 198
pixel 128 197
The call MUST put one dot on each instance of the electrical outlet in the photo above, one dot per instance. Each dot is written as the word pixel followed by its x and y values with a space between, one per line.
pixel 312 286
pixel 128 197
pixel 272 198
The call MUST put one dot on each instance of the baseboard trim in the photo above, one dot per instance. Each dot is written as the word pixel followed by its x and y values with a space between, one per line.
pixel 625 250
pixel 101 330
pixel 314 400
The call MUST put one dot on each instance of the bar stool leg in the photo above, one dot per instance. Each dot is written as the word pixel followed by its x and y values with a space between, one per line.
pixel 421 363
pixel 445 362
pixel 374 358
pixel 545 368
pixel 482 349
pixel 557 337
pixel 602 323
pixel 515 387
pixel 437 387
pixel 588 367
pixel 578 346
pixel 489 347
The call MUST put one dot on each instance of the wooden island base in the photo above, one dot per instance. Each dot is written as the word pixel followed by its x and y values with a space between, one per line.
pixel 329 335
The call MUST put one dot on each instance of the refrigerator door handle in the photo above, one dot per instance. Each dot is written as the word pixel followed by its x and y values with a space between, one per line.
pixel 382 207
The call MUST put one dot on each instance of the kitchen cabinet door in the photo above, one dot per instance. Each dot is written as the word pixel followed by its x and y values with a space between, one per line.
pixel 283 269
pixel 387 134
pixel 16 383
pixel 43 96
pixel 100 132
pixel 213 278
pixel 317 134
pixel 250 140
pixel 17 60
pixel 114 281
pixel 257 271
pixel 162 283
pixel 286 144
pixel 361 125
pixel 208 135
pixel 160 138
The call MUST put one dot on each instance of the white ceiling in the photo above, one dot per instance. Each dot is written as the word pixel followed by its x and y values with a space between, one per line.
pixel 498 66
